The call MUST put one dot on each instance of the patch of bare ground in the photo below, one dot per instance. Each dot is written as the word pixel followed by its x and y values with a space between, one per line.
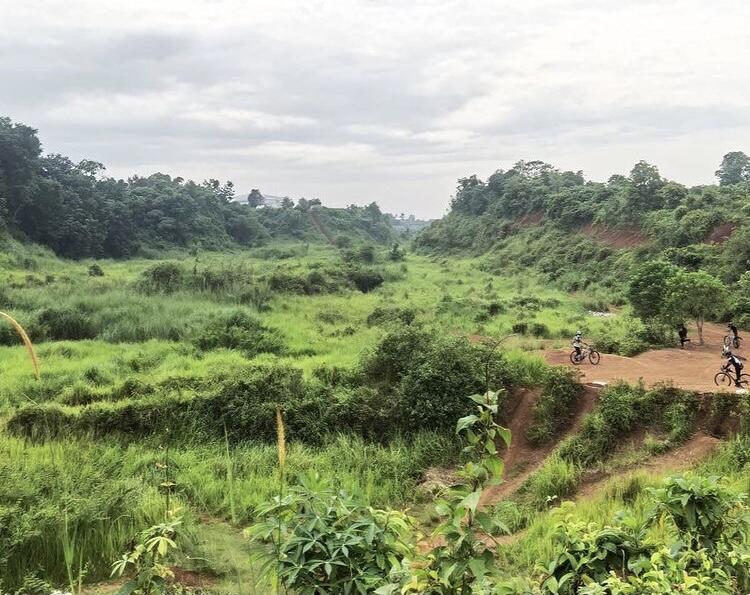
pixel 692 368
pixel 616 237
pixel 721 233
pixel 695 450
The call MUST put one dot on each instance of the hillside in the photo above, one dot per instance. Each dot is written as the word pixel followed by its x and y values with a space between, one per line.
pixel 588 235
pixel 189 377
pixel 77 211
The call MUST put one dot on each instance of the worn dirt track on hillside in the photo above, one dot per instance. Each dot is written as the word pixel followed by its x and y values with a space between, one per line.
pixel 692 368
pixel 696 449
pixel 522 458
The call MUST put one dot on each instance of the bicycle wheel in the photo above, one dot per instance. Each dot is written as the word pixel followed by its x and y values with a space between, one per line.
pixel 727 340
pixel 594 357
pixel 744 381
pixel 723 379
pixel 574 358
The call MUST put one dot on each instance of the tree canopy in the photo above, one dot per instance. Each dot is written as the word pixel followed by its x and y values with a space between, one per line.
pixel 78 211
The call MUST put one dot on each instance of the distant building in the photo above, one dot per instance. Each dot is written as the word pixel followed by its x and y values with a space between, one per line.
pixel 257 200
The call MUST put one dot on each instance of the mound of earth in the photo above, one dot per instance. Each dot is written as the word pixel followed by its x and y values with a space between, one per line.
pixel 522 458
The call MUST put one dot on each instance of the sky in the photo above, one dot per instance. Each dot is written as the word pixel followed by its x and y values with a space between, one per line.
pixel 354 101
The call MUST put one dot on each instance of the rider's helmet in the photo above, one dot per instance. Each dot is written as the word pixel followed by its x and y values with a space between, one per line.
pixel 578 333
pixel 726 351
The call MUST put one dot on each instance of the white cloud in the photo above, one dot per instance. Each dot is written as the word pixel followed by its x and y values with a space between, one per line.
pixel 379 100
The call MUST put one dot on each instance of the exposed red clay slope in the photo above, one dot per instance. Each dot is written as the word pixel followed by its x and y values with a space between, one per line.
pixel 692 368
pixel 529 220
pixel 721 233
pixel 313 216
pixel 616 237
pixel 521 459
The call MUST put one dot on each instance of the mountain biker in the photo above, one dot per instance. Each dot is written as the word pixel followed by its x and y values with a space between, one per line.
pixel 736 361
pixel 682 332
pixel 733 329
pixel 578 344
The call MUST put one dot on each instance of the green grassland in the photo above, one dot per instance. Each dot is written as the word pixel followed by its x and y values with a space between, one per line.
pixel 136 379
pixel 104 341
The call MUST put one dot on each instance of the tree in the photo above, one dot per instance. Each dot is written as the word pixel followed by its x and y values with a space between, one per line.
pixel 255 198
pixel 642 193
pixel 647 292
pixel 695 295
pixel 734 169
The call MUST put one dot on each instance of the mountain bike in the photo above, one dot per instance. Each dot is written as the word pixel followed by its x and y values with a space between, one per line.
pixel 586 352
pixel 726 377
pixel 733 341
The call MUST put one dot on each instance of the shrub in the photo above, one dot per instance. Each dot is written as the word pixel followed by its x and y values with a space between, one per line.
pixel 95 271
pixel 65 324
pixel 163 277
pixel 383 315
pixel 240 331
pixel 431 391
pixel 362 545
pixel 520 328
pixel 365 279
pixel 556 406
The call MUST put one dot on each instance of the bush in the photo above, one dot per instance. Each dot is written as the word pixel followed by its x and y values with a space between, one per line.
pixel 362 545
pixel 65 324
pixel 365 279
pixel 240 331
pixel 95 271
pixel 556 406
pixel 163 277
pixel 384 315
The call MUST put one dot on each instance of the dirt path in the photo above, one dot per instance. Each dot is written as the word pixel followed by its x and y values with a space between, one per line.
pixel 699 447
pixel 693 368
pixel 523 458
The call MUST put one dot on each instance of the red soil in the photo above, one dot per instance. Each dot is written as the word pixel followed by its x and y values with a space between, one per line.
pixel 721 233
pixel 616 237
pixel 522 458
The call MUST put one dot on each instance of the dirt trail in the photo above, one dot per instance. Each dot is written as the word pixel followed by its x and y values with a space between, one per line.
pixel 313 216
pixel 692 368
pixel 681 458
pixel 523 458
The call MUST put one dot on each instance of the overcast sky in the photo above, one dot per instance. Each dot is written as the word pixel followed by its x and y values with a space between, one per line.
pixel 393 101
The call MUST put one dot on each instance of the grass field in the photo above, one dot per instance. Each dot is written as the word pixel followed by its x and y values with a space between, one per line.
pixel 135 333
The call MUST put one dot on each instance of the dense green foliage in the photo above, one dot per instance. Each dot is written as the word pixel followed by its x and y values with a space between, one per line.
pixel 590 235
pixel 78 212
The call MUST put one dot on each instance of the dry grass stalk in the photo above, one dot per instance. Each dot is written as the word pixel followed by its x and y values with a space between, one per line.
pixel 26 341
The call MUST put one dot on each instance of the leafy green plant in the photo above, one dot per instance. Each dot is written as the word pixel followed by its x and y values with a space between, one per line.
pixel 319 540
pixel 461 560
pixel 147 560
pixel 702 509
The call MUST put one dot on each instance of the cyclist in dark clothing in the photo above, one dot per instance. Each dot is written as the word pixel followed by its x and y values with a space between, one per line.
pixel 733 329
pixel 736 362
pixel 682 332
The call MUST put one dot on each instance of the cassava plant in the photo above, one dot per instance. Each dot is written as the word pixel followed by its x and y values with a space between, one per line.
pixel 147 560
pixel 461 560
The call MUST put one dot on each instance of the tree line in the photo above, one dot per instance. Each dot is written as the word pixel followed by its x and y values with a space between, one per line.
pixel 78 211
